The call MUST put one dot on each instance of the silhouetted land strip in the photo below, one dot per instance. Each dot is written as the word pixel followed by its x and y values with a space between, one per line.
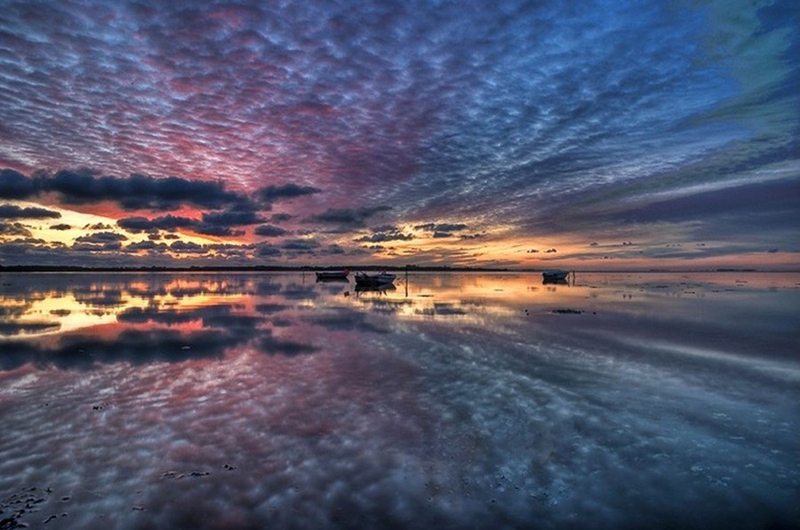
pixel 309 268
pixel 254 268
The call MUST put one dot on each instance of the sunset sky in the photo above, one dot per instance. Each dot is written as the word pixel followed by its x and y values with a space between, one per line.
pixel 586 135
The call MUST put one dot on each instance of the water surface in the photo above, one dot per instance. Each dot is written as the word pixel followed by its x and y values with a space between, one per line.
pixel 452 401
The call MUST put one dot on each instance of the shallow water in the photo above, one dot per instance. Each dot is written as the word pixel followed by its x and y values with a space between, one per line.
pixel 453 401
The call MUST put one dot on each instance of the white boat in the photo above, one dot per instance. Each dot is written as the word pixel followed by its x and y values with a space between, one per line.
pixel 555 275
pixel 332 275
pixel 382 278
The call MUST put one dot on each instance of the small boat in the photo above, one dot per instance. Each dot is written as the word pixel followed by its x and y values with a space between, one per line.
pixel 327 276
pixel 554 276
pixel 373 280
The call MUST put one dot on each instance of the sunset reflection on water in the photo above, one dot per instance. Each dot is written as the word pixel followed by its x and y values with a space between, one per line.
pixel 453 400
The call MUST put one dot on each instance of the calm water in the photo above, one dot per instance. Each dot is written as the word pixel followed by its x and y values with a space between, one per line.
pixel 453 401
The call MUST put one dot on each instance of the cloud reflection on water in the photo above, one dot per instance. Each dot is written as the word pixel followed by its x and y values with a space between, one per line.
pixel 266 400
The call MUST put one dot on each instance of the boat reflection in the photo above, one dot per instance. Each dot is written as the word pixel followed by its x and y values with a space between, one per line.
pixel 375 288
pixel 554 281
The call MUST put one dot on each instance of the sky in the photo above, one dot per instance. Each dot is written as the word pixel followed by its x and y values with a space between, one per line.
pixel 630 134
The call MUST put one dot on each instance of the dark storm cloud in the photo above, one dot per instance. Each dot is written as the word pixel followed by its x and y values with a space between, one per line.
pixel 12 211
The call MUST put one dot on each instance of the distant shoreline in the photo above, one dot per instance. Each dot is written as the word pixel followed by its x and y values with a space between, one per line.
pixel 307 268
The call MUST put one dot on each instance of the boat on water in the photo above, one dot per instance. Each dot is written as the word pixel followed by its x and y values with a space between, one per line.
pixel 337 275
pixel 553 276
pixel 373 280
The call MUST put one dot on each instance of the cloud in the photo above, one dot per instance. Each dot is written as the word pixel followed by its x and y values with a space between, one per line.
pixel 351 218
pixel 15 185
pixel 12 211
pixel 232 218
pixel 385 233
pixel 14 229
pixel 187 247
pixel 101 237
pixel 269 231
pixel 528 115
pixel 334 250
pixel 168 222
pixel 299 245
pixel 280 217
pixel 148 245
pixel 272 193
pixel 99 242
pixel 171 223
pixel 133 192
pixel 268 250
pixel 217 230
pixel 441 227
pixel 60 226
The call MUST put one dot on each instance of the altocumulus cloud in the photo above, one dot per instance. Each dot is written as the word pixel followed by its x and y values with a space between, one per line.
pixel 539 116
